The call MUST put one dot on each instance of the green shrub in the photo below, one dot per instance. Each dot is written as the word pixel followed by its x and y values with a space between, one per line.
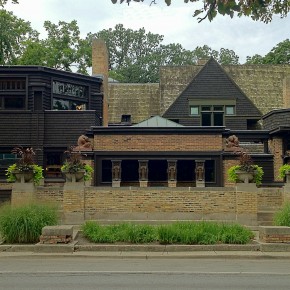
pixel 189 233
pixel 283 170
pixel 24 224
pixel 119 233
pixel 205 233
pixel 282 217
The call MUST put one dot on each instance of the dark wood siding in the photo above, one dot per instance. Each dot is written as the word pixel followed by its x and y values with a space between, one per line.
pixel 236 123
pixel 62 128
pixel 15 128
pixel 39 82
pixel 267 163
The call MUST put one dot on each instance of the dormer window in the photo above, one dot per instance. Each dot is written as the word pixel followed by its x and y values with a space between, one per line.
pixel 212 112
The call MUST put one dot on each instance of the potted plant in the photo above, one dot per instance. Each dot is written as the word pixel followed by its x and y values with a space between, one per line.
pixel 74 168
pixel 25 169
pixel 245 171
pixel 284 171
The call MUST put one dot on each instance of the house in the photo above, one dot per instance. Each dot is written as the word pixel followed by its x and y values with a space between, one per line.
pixel 46 109
pixel 186 147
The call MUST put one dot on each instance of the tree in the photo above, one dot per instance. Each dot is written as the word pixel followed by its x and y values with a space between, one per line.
pixel 3 2
pixel 280 54
pixel 204 52
pixel 255 59
pixel 227 56
pixel 262 10
pixel 61 49
pixel 14 34
pixel 224 56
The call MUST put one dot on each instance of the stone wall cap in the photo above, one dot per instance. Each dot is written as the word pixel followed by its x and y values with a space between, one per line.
pixel 61 230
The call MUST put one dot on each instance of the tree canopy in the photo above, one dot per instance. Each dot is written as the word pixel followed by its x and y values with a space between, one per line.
pixel 3 2
pixel 135 56
pixel 280 54
pixel 262 10
pixel 15 32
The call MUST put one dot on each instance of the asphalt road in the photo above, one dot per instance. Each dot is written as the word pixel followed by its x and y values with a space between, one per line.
pixel 46 272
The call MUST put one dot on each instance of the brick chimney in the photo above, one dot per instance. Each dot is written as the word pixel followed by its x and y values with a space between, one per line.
pixel 100 67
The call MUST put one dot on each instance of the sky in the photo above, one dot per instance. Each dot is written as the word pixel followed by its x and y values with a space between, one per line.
pixel 176 23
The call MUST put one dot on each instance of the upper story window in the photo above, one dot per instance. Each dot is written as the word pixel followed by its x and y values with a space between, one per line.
pixel 230 110
pixel 12 84
pixel 212 112
pixel 62 104
pixel 62 88
pixel 194 110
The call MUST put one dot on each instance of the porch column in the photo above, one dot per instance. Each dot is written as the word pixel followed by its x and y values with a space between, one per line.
pixel 172 173
pixel 199 173
pixel 116 173
pixel 143 173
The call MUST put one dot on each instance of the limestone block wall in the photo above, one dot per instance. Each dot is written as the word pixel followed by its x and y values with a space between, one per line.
pixel 173 80
pixel 268 86
pixel 141 101
pixel 263 84
pixel 158 142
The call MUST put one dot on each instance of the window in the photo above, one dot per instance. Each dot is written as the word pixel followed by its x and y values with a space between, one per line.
pixel 230 110
pixel 12 84
pixel 212 112
pixel 126 119
pixel 212 115
pixel 194 110
pixel 61 104
pixel 62 88
pixel 7 159
pixel 12 102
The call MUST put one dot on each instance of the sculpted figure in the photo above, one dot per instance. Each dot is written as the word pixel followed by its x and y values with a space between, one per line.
pixel 171 173
pixel 199 171
pixel 84 144
pixel 233 143
pixel 116 172
pixel 143 172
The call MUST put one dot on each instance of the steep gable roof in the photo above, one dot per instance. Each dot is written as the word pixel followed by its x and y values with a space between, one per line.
pixel 212 82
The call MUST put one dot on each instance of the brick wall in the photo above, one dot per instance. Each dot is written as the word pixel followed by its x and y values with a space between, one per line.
pixel 152 203
pixel 159 203
pixel 276 148
pixel 51 194
pixel 157 142
pixel 227 163
pixel 270 198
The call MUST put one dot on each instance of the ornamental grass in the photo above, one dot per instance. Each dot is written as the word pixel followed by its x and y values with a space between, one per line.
pixel 24 224
pixel 187 233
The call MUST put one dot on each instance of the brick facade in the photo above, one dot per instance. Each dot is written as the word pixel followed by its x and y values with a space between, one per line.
pixel 77 203
pixel 276 148
pixel 176 142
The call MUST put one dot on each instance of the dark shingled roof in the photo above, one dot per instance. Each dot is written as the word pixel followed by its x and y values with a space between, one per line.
pixel 212 82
